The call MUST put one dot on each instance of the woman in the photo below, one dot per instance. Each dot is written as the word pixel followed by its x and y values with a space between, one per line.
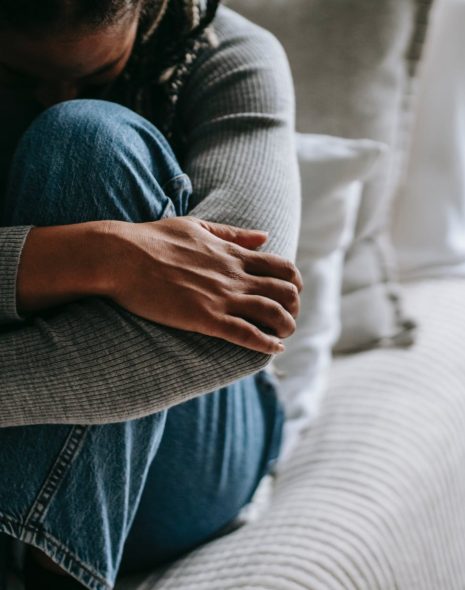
pixel 117 310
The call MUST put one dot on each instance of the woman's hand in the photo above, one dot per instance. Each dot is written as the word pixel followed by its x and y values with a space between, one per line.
pixel 204 277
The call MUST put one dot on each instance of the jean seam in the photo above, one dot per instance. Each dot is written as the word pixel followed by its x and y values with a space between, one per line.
pixel 267 383
pixel 33 535
pixel 52 482
pixel 178 178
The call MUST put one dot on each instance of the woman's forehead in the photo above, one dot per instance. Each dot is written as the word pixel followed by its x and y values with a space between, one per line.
pixel 68 53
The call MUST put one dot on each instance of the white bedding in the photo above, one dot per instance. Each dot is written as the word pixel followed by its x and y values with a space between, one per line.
pixel 374 499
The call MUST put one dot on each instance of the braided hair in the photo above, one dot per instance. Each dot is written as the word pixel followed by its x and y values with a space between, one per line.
pixel 171 36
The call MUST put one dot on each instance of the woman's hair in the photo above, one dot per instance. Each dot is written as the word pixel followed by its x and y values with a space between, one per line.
pixel 171 35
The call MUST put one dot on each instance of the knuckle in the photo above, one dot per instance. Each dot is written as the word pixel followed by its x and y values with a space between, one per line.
pixel 291 271
pixel 282 315
pixel 287 329
pixel 270 310
pixel 215 315
pixel 250 334
pixel 288 267
pixel 281 319
pixel 292 327
pixel 250 286
pixel 232 282
pixel 231 302
pixel 295 278
pixel 278 311
pixel 293 298
pixel 292 293
pixel 233 250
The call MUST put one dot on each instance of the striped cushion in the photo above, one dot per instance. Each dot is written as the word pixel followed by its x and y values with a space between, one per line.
pixel 374 499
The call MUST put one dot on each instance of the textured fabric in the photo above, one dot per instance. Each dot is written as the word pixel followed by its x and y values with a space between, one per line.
pixel 332 173
pixel 93 362
pixel 373 499
pixel 429 216
pixel 351 75
pixel 11 244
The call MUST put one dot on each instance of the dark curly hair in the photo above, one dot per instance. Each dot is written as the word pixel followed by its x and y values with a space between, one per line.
pixel 171 35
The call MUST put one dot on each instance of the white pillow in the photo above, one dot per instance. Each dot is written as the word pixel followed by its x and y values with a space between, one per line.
pixel 429 220
pixel 332 172
pixel 354 62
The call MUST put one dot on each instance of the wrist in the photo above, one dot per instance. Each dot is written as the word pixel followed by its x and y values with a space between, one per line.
pixel 60 264
pixel 108 238
pixel 101 259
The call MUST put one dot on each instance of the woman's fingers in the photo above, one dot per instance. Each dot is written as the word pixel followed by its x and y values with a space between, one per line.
pixel 271 265
pixel 257 323
pixel 247 238
pixel 256 263
pixel 283 292
pixel 241 332
pixel 265 313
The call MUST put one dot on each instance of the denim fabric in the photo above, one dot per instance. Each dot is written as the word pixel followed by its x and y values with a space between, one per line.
pixel 144 491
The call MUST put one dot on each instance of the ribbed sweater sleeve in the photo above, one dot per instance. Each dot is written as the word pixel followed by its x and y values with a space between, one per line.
pixel 11 245
pixel 92 362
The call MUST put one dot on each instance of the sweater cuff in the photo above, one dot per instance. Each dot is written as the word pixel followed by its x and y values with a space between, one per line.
pixel 12 241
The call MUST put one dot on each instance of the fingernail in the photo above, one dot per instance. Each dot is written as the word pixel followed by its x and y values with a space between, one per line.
pixel 280 347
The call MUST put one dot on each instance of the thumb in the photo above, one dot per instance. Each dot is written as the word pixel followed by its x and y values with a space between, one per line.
pixel 247 238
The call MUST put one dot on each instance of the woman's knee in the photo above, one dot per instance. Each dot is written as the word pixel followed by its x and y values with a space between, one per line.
pixel 91 159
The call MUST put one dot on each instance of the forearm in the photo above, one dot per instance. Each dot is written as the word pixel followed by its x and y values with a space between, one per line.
pixel 240 128
pixel 93 362
pixel 62 264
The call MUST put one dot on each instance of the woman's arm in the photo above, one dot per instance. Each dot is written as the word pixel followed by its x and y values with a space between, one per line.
pixel 162 271
pixel 93 362
pixel 239 115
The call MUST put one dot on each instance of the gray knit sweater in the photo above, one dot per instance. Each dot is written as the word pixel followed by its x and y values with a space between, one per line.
pixel 94 362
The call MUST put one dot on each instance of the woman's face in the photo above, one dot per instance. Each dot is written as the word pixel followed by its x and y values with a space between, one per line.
pixel 62 66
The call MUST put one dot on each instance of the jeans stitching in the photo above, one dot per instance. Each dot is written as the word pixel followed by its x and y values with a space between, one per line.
pixel 29 534
pixel 68 452
pixel 180 180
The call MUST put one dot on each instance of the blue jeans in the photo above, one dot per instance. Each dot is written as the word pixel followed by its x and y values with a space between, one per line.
pixel 129 496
